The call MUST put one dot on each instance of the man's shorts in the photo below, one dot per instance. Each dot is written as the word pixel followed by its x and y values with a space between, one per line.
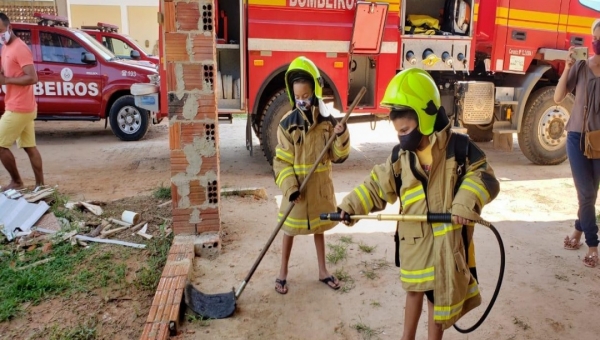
pixel 17 127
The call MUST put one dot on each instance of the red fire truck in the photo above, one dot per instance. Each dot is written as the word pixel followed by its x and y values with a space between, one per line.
pixel 496 62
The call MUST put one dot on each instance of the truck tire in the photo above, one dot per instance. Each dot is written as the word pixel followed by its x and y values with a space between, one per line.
pixel 480 133
pixel 127 121
pixel 275 109
pixel 543 136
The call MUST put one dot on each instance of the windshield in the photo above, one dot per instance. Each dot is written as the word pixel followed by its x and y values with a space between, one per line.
pixel 135 43
pixel 93 43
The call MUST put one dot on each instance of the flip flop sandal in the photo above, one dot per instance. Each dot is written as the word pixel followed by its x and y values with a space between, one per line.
pixel 330 279
pixel 590 261
pixel 283 284
pixel 570 245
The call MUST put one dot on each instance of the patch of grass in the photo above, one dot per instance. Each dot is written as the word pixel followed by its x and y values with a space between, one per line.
pixel 346 239
pixel 365 248
pixel 376 264
pixel 364 330
pixel 192 317
pixel 58 206
pixel 162 193
pixel 158 248
pixel 522 324
pixel 32 285
pixel 82 331
pixel 561 277
pixel 338 252
pixel 375 304
pixel 73 270
pixel 342 275
pixel 348 286
pixel 369 274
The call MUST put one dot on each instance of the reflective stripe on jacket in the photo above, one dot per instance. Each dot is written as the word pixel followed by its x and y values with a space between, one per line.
pixel 299 146
pixel 433 256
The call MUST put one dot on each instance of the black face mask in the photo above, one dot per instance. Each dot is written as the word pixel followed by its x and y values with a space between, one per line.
pixel 411 141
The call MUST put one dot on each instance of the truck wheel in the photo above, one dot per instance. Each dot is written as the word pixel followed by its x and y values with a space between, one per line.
pixel 543 136
pixel 127 121
pixel 480 133
pixel 277 107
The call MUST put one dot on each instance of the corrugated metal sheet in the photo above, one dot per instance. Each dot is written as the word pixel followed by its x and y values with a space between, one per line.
pixel 18 215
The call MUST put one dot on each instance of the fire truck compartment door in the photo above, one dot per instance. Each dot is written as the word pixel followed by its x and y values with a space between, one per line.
pixel 367 32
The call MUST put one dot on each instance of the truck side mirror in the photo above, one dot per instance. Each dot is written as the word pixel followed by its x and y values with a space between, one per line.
pixel 88 58
pixel 135 55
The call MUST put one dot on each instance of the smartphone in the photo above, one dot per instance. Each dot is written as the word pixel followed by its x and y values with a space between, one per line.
pixel 580 53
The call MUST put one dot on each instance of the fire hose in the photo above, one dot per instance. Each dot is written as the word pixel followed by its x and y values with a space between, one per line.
pixel 436 218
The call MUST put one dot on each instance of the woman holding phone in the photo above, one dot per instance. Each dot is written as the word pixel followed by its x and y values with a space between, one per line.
pixel 583 77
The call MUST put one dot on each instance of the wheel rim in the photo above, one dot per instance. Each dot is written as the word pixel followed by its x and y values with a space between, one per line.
pixel 551 128
pixel 129 119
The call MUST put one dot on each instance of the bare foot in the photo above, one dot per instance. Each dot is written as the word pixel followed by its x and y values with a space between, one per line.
pixel 13 185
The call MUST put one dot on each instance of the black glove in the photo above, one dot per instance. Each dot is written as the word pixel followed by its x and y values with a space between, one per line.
pixel 294 196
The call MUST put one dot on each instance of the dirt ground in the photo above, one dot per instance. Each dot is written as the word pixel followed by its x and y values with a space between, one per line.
pixel 547 292
pixel 98 292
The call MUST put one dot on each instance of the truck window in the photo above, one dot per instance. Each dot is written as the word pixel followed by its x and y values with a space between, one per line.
pixel 118 47
pixel 24 35
pixel 58 48
pixel 593 4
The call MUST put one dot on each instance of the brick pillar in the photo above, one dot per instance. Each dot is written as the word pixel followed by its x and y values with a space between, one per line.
pixel 190 56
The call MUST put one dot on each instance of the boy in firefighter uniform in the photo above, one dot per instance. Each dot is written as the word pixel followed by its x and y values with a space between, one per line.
pixel 434 260
pixel 302 135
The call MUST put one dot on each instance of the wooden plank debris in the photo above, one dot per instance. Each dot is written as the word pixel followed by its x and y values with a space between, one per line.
pixel 99 240
pixel 35 264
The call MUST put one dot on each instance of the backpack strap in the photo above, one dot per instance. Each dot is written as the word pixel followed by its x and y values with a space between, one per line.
pixel 461 153
pixel 398 180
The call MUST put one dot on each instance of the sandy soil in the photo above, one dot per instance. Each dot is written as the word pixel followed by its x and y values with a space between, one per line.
pixel 547 292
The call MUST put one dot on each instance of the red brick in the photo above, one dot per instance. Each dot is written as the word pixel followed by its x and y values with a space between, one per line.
pixel 174 196
pixel 191 131
pixel 206 227
pixel 203 47
pixel 197 194
pixel 209 163
pixel 174 270
pixel 163 332
pixel 159 313
pixel 176 47
pixel 182 249
pixel 187 16
pixel 180 257
pixel 192 76
pixel 169 23
pixel 146 332
pixel 175 136
pixel 152 313
pixel 171 78
pixel 175 312
pixel 183 227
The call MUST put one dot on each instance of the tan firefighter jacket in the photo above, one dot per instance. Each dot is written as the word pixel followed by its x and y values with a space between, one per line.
pixel 433 256
pixel 299 146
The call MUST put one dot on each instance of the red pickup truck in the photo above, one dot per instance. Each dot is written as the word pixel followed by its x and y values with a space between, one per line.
pixel 122 45
pixel 81 80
